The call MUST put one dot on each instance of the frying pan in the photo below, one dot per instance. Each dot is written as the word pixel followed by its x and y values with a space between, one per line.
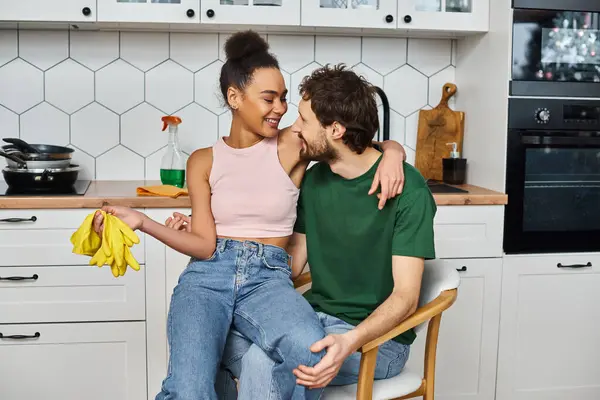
pixel 41 179
pixel 39 151
pixel 16 159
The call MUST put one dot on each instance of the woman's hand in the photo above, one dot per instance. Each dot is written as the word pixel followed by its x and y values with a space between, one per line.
pixel 179 222
pixel 390 173
pixel 134 219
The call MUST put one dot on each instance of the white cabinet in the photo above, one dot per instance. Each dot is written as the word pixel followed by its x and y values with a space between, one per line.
pixel 468 231
pixel 550 324
pixel 48 10
pixel 150 11
pixel 42 237
pixel 467 346
pixel 444 15
pixel 349 13
pixel 251 12
pixel 70 293
pixel 96 361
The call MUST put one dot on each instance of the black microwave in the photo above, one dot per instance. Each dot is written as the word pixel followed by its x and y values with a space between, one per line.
pixel 555 48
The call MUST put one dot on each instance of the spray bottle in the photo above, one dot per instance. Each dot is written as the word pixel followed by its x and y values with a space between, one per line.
pixel 172 167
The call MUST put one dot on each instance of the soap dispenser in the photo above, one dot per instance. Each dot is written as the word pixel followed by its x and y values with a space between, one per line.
pixel 172 167
pixel 455 167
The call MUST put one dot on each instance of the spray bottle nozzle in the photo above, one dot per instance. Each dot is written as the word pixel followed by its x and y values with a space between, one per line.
pixel 454 153
pixel 170 120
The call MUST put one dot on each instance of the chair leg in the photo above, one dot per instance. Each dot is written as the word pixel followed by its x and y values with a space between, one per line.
pixel 366 375
pixel 433 331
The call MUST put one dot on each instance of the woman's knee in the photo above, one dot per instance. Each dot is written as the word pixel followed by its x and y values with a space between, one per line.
pixel 302 339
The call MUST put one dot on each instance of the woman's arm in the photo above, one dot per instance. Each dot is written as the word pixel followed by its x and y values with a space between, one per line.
pixel 202 239
pixel 199 241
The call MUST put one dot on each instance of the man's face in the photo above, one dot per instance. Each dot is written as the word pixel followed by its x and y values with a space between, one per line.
pixel 316 145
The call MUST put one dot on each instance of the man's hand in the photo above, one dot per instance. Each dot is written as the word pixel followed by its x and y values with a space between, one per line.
pixel 179 222
pixel 339 347
pixel 390 173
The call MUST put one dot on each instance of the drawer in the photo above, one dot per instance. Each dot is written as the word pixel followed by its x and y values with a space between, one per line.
pixel 42 237
pixel 468 231
pixel 70 293
pixel 95 361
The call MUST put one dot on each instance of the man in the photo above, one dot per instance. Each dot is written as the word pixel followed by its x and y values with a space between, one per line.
pixel 366 263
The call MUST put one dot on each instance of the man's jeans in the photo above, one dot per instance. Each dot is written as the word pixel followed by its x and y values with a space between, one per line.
pixel 242 359
pixel 245 286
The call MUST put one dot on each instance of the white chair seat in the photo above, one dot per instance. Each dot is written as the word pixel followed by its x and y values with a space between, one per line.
pixel 384 389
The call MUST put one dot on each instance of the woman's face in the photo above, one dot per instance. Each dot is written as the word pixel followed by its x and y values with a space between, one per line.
pixel 263 102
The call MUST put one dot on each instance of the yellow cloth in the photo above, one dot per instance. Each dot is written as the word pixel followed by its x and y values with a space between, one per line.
pixel 161 190
pixel 110 249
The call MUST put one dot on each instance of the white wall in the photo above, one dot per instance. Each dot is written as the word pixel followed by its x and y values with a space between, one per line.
pixel 482 76
pixel 103 93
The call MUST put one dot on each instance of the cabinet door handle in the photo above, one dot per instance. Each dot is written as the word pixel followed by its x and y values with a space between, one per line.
pixel 462 269
pixel 589 264
pixel 15 220
pixel 19 278
pixel 20 337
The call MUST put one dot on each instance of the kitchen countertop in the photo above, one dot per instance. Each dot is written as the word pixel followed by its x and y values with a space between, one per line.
pixel 123 193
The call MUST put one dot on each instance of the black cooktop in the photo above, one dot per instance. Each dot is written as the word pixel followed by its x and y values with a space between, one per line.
pixel 78 189
pixel 440 187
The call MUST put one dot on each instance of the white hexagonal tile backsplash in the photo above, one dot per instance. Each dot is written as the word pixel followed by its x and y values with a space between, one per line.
pixel 103 93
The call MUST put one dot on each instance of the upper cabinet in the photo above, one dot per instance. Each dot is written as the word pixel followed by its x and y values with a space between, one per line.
pixel 251 12
pixel 151 11
pixel 349 13
pixel 318 16
pixel 48 11
pixel 444 15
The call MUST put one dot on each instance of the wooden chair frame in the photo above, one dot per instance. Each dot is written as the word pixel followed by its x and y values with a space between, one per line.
pixel 431 311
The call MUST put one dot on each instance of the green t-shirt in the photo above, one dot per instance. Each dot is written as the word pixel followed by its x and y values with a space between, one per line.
pixel 351 242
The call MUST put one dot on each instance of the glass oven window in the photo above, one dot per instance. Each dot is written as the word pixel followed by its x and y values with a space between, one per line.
pixel 562 189
pixel 556 46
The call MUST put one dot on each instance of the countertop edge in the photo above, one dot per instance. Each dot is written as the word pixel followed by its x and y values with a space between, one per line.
pixel 122 193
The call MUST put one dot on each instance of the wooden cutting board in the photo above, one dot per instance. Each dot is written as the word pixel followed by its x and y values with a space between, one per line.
pixel 437 127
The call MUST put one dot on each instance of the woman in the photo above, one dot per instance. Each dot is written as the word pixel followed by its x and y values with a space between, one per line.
pixel 243 192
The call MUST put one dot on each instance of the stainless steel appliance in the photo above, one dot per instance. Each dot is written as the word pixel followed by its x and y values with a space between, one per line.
pixel 552 176
pixel 556 48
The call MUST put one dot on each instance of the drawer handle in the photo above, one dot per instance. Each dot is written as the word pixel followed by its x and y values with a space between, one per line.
pixel 462 269
pixel 15 220
pixel 20 337
pixel 589 264
pixel 19 278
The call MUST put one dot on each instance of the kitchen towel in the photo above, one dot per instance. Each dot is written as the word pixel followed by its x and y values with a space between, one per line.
pixel 161 190
pixel 113 248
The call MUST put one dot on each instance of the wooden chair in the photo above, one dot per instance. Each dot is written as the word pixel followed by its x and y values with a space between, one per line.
pixel 439 290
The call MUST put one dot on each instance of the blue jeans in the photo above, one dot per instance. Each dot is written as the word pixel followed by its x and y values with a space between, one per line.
pixel 245 286
pixel 243 359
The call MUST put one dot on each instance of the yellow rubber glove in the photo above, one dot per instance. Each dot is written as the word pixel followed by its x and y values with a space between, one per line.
pixel 112 249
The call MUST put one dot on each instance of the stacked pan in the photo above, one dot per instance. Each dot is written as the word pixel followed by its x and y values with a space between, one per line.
pixel 38 167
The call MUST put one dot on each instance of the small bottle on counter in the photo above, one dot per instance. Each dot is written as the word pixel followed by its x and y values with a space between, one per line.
pixel 172 167
pixel 454 169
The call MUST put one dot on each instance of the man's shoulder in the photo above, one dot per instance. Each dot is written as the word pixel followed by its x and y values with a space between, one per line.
pixel 413 180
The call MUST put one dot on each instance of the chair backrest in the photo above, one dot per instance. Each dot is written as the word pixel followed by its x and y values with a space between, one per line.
pixel 438 276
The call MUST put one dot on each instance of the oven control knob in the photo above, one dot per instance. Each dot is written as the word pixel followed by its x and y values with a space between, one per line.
pixel 542 115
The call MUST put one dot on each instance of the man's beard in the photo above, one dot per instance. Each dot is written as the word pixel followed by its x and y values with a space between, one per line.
pixel 321 150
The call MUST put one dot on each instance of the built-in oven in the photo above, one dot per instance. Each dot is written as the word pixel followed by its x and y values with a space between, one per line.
pixel 552 176
pixel 556 48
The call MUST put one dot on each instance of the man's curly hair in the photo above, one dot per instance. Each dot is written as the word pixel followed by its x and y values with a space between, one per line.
pixel 339 94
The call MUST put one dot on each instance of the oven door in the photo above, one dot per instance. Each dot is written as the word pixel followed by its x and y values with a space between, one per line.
pixel 556 48
pixel 553 186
